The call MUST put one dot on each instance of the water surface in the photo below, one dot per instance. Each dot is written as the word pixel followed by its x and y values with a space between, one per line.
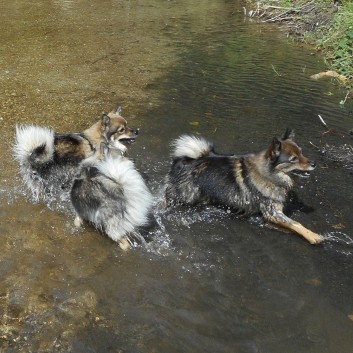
pixel 209 281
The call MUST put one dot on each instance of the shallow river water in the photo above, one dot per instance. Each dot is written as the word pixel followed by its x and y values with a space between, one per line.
pixel 207 281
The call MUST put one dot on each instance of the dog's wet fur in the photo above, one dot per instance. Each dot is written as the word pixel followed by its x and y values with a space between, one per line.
pixel 48 161
pixel 111 194
pixel 250 183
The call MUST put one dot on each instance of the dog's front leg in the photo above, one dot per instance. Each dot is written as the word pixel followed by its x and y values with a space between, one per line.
pixel 275 215
pixel 78 221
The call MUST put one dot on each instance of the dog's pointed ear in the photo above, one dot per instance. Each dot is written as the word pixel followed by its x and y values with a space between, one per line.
pixel 288 134
pixel 274 150
pixel 105 121
pixel 105 126
pixel 118 109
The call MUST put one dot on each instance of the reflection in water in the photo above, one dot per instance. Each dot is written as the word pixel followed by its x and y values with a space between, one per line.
pixel 65 5
pixel 206 280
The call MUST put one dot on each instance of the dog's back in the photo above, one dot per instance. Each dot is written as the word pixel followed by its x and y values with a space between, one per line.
pixel 71 148
pixel 242 182
pixel 48 161
pixel 198 174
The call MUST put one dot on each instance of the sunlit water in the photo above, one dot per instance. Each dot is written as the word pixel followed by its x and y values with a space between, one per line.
pixel 206 280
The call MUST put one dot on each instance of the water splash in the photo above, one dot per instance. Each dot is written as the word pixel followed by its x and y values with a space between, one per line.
pixel 154 237
pixel 339 242
pixel 187 216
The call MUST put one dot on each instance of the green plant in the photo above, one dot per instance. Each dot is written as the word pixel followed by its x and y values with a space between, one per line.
pixel 337 41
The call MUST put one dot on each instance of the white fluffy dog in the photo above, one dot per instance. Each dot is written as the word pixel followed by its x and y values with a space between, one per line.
pixel 112 195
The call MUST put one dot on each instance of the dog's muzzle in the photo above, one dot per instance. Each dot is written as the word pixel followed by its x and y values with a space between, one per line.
pixel 306 172
pixel 129 139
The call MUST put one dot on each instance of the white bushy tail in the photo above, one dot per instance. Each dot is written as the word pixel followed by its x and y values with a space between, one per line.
pixel 191 146
pixel 28 139
pixel 139 200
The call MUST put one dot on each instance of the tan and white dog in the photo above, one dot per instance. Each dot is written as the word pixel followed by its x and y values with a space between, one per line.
pixel 48 161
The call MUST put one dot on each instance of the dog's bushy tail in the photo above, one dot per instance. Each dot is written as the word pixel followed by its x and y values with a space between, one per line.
pixel 138 199
pixel 191 146
pixel 34 145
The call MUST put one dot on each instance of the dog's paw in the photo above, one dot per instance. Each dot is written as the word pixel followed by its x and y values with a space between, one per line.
pixel 315 239
pixel 78 221
pixel 124 244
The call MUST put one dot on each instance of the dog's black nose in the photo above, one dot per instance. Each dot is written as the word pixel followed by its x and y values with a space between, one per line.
pixel 136 131
pixel 312 163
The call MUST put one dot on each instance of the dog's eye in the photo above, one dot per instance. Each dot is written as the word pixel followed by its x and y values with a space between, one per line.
pixel 121 130
pixel 293 159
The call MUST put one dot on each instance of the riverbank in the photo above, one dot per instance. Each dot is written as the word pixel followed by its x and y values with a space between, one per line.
pixel 325 24
pixel 328 26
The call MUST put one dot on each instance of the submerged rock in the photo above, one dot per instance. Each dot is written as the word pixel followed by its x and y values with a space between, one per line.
pixel 342 154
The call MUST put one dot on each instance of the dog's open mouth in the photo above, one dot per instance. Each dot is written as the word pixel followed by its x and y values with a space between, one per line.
pixel 127 140
pixel 301 173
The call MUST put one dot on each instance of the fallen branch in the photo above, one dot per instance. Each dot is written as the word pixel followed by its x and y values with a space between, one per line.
pixel 281 8
pixel 323 121
pixel 276 18
pixel 328 73
pixel 331 131
pixel 278 74
pixel 345 98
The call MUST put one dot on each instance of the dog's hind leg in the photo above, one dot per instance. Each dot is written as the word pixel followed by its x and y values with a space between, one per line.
pixel 279 218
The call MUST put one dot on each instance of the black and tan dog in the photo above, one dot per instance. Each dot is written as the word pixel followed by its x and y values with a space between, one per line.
pixel 49 161
pixel 250 183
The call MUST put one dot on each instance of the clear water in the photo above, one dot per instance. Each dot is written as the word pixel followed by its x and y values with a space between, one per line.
pixel 209 281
